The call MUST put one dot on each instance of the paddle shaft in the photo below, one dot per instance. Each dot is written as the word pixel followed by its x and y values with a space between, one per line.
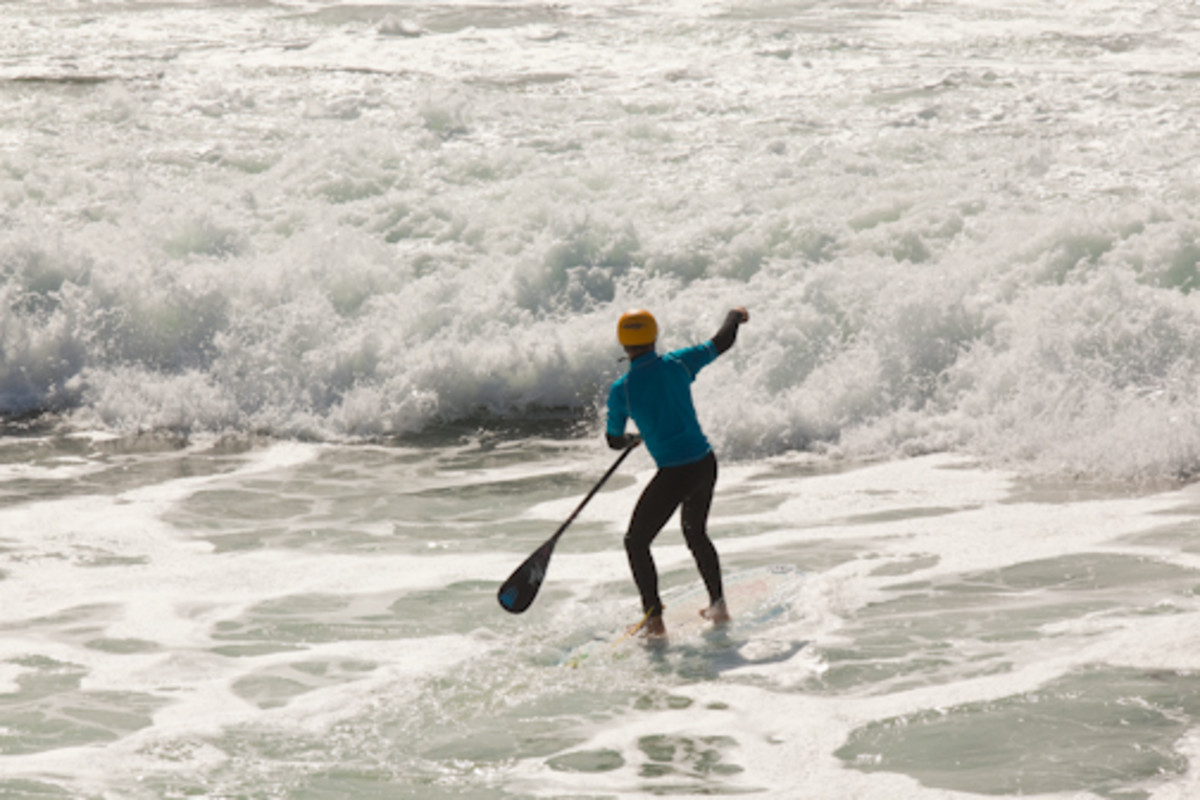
pixel 592 493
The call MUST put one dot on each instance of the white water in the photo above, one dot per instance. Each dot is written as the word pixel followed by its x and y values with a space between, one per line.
pixel 311 621
pixel 963 227
pixel 306 295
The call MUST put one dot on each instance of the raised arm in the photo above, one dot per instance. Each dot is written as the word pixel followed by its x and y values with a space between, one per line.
pixel 724 338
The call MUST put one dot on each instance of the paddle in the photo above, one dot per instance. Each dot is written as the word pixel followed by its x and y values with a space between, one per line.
pixel 522 586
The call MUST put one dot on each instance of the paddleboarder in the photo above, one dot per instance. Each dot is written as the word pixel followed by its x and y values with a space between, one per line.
pixel 656 394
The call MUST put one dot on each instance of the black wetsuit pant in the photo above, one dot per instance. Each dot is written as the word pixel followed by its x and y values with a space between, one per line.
pixel 689 488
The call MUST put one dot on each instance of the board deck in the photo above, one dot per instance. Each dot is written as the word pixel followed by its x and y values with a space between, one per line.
pixel 755 597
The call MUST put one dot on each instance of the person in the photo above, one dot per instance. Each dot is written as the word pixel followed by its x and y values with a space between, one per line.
pixel 656 394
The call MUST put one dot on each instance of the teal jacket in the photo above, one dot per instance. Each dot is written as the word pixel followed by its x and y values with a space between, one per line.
pixel 656 393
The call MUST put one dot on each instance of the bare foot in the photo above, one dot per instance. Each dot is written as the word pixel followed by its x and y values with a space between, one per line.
pixel 717 614
pixel 651 627
pixel 654 628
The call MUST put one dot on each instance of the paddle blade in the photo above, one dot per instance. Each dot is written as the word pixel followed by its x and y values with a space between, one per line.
pixel 522 586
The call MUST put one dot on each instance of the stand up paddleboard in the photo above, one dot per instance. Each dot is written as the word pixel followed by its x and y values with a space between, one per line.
pixel 755 598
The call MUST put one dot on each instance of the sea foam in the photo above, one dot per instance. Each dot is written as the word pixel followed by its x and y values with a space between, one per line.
pixel 952 256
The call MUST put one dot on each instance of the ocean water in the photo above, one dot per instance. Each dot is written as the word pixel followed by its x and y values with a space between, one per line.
pixel 307 317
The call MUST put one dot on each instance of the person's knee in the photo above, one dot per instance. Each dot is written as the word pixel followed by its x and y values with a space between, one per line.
pixel 695 532
pixel 701 546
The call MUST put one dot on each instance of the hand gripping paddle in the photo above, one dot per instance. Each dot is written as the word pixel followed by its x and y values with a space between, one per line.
pixel 522 586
